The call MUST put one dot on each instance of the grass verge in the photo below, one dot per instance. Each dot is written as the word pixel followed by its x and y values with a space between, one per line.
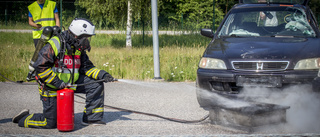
pixel 179 56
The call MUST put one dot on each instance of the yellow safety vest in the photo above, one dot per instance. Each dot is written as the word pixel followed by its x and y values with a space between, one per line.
pixel 44 16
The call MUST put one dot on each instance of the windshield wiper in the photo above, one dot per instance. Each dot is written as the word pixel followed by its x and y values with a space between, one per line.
pixel 287 36
pixel 234 35
pixel 282 36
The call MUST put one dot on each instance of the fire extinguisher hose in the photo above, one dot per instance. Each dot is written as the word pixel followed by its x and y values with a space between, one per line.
pixel 150 114
pixel 138 112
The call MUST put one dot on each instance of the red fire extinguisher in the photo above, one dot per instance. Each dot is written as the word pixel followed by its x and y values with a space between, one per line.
pixel 65 110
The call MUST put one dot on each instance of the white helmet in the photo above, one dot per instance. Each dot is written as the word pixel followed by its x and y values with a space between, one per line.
pixel 82 27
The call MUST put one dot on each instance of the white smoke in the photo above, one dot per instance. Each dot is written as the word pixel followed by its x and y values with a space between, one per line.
pixel 304 113
pixel 220 101
pixel 303 116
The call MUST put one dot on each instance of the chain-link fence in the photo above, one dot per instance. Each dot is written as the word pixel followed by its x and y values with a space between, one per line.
pixel 12 12
pixel 17 11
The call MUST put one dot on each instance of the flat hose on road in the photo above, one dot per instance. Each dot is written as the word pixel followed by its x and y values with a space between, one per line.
pixel 122 109
pixel 149 114
pixel 18 82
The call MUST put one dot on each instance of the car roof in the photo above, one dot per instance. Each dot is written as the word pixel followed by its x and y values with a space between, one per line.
pixel 300 2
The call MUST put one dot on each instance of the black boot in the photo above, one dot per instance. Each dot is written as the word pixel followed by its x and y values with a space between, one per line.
pixel 19 116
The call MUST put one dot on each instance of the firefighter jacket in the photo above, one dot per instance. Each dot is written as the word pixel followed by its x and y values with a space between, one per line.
pixel 76 64
pixel 44 16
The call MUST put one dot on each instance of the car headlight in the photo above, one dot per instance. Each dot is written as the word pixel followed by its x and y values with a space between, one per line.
pixel 308 64
pixel 211 63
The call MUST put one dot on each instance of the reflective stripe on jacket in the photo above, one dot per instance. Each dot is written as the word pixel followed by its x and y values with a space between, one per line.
pixel 44 16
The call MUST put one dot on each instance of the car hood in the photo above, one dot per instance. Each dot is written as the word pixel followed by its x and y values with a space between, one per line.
pixel 263 48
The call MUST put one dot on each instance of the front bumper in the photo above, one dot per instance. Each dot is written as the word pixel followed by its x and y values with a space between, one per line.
pixel 232 81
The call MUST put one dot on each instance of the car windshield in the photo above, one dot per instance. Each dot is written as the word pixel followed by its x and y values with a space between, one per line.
pixel 267 22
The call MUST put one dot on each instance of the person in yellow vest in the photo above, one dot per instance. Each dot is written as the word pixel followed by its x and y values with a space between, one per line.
pixel 63 63
pixel 42 13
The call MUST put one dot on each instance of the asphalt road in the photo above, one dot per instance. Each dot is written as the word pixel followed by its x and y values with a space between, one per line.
pixel 176 100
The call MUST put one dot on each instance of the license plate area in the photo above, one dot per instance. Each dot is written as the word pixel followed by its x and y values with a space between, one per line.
pixel 264 81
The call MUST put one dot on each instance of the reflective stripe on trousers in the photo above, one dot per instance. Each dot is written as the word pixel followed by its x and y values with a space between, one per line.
pixel 46 120
pixel 94 107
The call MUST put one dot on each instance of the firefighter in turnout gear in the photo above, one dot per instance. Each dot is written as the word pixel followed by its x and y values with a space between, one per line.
pixel 63 61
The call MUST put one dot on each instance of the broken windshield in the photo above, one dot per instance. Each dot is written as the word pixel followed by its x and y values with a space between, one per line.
pixel 275 21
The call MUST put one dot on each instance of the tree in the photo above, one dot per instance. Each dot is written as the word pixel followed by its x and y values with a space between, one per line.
pixel 314 7
pixel 197 13
pixel 129 26
pixel 104 11
pixel 113 11
pixel 226 5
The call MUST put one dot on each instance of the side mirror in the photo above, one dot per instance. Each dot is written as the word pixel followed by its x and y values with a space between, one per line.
pixel 207 33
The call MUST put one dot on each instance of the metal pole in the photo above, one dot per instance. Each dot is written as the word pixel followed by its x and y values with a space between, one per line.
pixel 156 61
pixel 142 32
pixel 142 20
pixel 60 13
pixel 181 21
pixel 138 20
pixel 6 16
pixel 214 13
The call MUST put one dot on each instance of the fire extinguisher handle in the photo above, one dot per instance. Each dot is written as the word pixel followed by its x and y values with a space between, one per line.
pixel 71 85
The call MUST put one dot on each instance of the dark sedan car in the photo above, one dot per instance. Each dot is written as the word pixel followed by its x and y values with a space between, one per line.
pixel 268 43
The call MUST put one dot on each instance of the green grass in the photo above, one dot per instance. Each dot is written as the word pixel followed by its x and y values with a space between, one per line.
pixel 15 25
pixel 179 56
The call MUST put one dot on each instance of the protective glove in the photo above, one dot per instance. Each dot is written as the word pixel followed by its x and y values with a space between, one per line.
pixel 108 78
pixel 62 85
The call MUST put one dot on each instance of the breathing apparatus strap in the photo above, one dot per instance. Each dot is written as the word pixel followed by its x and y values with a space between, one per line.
pixel 63 47
pixel 61 53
